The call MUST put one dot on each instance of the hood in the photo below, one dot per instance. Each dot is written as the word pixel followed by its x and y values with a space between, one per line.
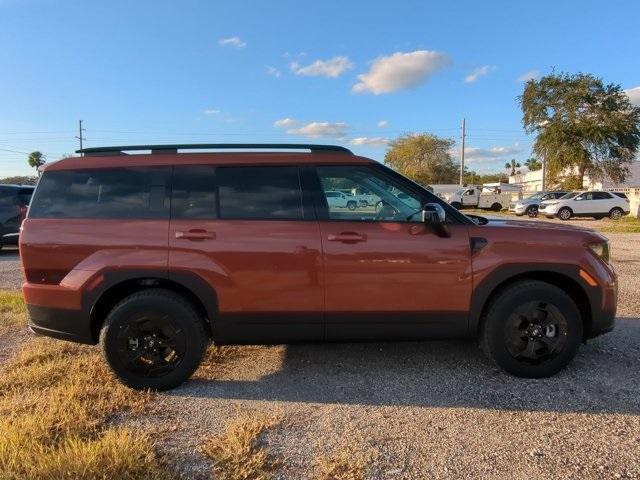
pixel 537 232
pixel 534 224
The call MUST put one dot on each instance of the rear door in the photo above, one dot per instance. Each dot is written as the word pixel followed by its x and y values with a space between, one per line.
pixel 388 275
pixel 603 202
pixel 250 233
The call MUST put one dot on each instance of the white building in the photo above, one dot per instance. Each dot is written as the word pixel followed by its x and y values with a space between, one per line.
pixel 531 182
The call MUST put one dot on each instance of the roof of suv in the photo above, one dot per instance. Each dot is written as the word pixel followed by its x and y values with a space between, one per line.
pixel 109 157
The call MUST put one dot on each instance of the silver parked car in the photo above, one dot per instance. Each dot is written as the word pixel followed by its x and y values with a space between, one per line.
pixel 529 205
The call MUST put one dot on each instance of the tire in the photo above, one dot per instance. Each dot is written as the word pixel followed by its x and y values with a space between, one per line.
pixel 496 207
pixel 565 213
pixel 351 205
pixel 456 205
pixel 532 211
pixel 506 336
pixel 168 312
pixel 616 213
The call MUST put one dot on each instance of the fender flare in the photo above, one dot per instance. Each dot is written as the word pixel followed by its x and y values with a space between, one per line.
pixel 189 281
pixel 512 272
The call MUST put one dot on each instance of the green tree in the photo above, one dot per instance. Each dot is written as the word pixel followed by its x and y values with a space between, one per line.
pixel 36 159
pixel 533 164
pixel 513 165
pixel 581 125
pixel 425 158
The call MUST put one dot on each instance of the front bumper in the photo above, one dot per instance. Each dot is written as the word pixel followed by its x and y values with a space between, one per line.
pixel 517 208
pixel 548 210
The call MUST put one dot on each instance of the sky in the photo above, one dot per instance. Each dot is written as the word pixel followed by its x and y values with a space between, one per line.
pixel 354 73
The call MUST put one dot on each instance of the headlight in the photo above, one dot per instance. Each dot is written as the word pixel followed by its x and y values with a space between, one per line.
pixel 602 250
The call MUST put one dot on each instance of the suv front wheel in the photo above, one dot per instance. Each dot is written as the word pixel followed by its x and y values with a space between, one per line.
pixel 153 339
pixel 532 329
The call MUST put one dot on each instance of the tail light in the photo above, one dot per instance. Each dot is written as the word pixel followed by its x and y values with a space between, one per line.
pixel 23 212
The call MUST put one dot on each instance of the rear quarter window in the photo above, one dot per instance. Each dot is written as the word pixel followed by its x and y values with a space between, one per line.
pixel 135 193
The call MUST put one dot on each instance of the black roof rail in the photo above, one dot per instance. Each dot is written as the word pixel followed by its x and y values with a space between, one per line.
pixel 119 150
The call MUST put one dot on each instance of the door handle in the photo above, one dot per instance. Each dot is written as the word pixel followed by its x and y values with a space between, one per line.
pixel 196 234
pixel 347 237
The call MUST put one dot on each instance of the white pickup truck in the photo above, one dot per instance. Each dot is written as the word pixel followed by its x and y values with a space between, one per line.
pixel 474 197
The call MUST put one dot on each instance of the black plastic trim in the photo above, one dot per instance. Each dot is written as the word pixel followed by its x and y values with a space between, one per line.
pixel 216 146
pixel 72 325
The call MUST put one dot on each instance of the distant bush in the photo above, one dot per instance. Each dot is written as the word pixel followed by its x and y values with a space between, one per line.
pixel 19 180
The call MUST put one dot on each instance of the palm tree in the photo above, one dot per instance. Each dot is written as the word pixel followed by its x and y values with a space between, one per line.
pixel 533 164
pixel 513 165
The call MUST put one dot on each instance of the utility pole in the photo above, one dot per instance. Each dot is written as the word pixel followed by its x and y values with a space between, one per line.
pixel 462 154
pixel 544 174
pixel 79 136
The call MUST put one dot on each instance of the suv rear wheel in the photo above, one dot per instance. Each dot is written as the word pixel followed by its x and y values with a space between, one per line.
pixel 532 329
pixel 153 339
pixel 616 213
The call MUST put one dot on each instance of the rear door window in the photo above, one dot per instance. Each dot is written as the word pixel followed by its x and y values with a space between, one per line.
pixel 267 193
pixel 194 193
pixel 601 196
pixel 136 193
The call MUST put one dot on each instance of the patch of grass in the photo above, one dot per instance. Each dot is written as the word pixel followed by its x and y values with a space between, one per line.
pixel 13 312
pixel 56 403
pixel 624 225
pixel 343 465
pixel 236 453
pixel 215 359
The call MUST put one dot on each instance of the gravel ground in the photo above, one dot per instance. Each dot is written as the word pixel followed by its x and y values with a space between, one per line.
pixel 424 409
pixel 10 274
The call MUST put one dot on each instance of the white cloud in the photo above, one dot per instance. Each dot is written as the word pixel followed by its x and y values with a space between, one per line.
pixel 529 75
pixel 273 71
pixel 634 95
pixel 320 129
pixel 482 155
pixel 479 72
pixel 232 41
pixel 211 111
pixel 334 67
pixel 400 71
pixel 369 141
pixel 284 122
pixel 382 124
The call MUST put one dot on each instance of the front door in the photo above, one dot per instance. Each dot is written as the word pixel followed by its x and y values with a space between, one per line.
pixel 388 275
pixel 583 203
pixel 247 232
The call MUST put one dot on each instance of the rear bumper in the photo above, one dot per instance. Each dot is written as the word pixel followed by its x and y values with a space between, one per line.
pixel 72 325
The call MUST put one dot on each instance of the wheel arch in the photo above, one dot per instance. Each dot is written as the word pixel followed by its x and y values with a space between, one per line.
pixel 565 278
pixel 118 285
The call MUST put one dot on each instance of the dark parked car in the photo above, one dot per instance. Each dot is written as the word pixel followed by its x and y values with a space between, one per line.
pixel 14 201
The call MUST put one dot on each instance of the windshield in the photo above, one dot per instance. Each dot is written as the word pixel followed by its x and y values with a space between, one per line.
pixel 460 192
pixel 569 195
pixel 535 196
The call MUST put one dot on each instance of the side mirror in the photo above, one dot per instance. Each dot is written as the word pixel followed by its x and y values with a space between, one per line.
pixel 435 216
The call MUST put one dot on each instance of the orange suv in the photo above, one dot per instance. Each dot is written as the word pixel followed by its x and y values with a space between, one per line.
pixel 155 254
